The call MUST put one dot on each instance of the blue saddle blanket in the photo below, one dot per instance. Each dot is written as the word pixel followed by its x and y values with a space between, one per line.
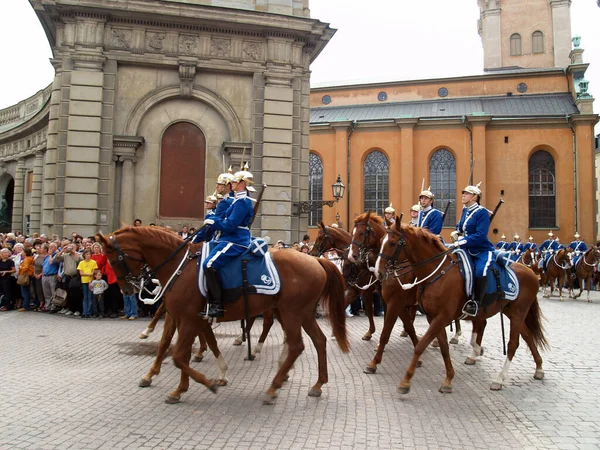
pixel 500 265
pixel 263 277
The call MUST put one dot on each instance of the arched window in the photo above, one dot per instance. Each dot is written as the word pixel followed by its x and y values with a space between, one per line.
pixel 542 190
pixel 442 177
pixel 515 45
pixel 375 185
pixel 182 156
pixel 315 187
pixel 537 42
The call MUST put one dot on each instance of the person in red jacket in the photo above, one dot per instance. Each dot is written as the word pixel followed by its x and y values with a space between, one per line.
pixel 112 297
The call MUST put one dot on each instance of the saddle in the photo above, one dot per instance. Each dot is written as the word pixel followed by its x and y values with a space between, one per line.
pixel 262 275
pixel 502 281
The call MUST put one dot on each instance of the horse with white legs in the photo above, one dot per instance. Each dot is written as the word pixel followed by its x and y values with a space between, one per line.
pixel 584 272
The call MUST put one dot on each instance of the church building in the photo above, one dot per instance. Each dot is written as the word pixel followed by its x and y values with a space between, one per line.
pixel 524 129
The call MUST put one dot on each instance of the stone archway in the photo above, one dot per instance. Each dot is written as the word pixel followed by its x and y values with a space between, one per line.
pixel 7 189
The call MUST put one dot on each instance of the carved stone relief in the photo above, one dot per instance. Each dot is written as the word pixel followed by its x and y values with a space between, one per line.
pixel 253 51
pixel 188 45
pixel 220 47
pixel 121 38
pixel 155 41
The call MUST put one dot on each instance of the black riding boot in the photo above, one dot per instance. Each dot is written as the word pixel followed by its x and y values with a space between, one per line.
pixel 214 297
pixel 471 308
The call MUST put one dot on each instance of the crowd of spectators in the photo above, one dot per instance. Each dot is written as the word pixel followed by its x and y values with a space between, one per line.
pixel 33 270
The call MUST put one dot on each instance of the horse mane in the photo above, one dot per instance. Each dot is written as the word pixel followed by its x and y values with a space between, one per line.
pixel 421 233
pixel 162 234
pixel 339 231
pixel 374 217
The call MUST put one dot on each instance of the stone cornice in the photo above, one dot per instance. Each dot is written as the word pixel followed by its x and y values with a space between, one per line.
pixel 584 119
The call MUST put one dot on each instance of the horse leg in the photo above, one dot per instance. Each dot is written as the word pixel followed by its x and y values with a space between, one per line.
pixel 199 355
pixel 188 331
pixel 368 298
pixel 539 371
pixel 163 346
pixel 295 347
pixel 476 338
pixel 313 330
pixel 268 322
pixel 389 321
pixel 446 387
pixel 407 318
pixel 561 282
pixel 150 328
pixel 513 343
pixel 238 340
pixel 458 332
pixel 435 326
pixel 413 315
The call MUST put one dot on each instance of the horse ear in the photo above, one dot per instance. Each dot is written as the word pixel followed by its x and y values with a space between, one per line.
pixel 321 225
pixel 368 214
pixel 102 240
pixel 398 223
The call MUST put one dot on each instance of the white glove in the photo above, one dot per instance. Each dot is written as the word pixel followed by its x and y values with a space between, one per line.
pixel 453 245
pixel 209 222
pixel 454 236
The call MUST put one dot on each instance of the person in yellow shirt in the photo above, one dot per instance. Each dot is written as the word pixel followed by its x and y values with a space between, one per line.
pixel 86 270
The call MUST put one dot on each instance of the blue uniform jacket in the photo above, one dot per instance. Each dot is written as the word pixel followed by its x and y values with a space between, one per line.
pixel 578 246
pixel 234 226
pixel 474 225
pixel 530 245
pixel 549 245
pixel 502 245
pixel 207 232
pixel 431 220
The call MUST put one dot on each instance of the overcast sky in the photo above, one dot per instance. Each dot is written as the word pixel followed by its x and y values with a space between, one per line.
pixel 376 40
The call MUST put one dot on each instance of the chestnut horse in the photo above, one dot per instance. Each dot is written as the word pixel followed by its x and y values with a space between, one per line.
pixel 133 250
pixel 584 271
pixel 443 297
pixel 529 259
pixel 359 280
pixel 556 272
pixel 369 231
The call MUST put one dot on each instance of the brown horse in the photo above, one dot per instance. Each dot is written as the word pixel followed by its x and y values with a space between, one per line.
pixel 359 279
pixel 369 231
pixel 556 272
pixel 584 271
pixel 132 250
pixel 443 297
pixel 529 259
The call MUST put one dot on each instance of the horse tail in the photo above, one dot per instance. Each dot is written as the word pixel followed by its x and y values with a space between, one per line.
pixel 533 321
pixel 333 296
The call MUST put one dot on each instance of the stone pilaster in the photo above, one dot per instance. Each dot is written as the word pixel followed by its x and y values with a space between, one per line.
pixel 105 173
pixel 405 158
pixel 491 35
pixel 124 152
pixel 36 193
pixel 561 30
pixel 17 210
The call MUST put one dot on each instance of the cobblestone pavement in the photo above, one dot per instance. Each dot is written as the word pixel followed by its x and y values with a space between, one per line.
pixel 72 383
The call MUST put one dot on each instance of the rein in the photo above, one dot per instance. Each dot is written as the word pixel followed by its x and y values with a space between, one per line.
pixel 559 265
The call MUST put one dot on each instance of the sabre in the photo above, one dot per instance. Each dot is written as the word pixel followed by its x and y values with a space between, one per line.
pixel 496 209
pixel 471 175
pixel 446 209
pixel 258 200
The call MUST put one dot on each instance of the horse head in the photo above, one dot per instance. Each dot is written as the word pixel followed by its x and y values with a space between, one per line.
pixel 366 236
pixel 330 238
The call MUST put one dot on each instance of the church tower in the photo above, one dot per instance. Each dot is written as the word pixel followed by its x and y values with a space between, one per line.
pixel 525 33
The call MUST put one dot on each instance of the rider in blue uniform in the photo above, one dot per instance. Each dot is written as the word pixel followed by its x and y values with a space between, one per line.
pixel 223 190
pixel 578 248
pixel 233 241
pixel 429 218
pixel 530 246
pixel 502 244
pixel 210 205
pixel 472 235
pixel 389 213
pixel 515 248
pixel 548 247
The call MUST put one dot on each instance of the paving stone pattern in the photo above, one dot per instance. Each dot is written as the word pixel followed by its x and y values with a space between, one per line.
pixel 71 383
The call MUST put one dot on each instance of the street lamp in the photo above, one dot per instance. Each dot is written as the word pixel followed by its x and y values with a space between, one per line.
pixel 337 190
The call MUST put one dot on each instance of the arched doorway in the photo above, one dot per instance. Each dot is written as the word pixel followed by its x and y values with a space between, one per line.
pixel 182 161
pixel 7 190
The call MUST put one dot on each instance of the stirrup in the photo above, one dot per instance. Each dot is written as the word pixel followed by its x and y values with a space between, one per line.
pixel 212 311
pixel 469 303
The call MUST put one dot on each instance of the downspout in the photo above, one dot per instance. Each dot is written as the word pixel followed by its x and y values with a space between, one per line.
pixel 574 172
pixel 352 128
pixel 464 121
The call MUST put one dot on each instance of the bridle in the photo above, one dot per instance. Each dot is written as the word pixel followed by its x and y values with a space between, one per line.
pixel 363 247
pixel 566 266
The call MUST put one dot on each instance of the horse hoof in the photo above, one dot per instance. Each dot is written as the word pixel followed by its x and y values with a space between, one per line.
pixel 237 342
pixel 286 377
pixel 145 382
pixel 222 382
pixel 404 334
pixel 403 389
pixel 419 363
pixel 269 399
pixel 562 299
pixel 143 336
pixel 213 387
pixel 454 341
pixel 198 358
pixel 470 361
pixel 445 390
pixel 314 392
pixel 370 370
pixel 539 374
pixel 435 344
pixel 496 386
pixel 366 337
pixel 481 351
pixel 171 400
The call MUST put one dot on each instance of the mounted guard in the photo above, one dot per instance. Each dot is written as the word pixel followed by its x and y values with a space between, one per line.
pixel 233 241
pixel 430 218
pixel 502 244
pixel 210 205
pixel 548 248
pixel 223 190
pixel 389 214
pixel 578 248
pixel 515 248
pixel 471 234
pixel 530 245
pixel 414 215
